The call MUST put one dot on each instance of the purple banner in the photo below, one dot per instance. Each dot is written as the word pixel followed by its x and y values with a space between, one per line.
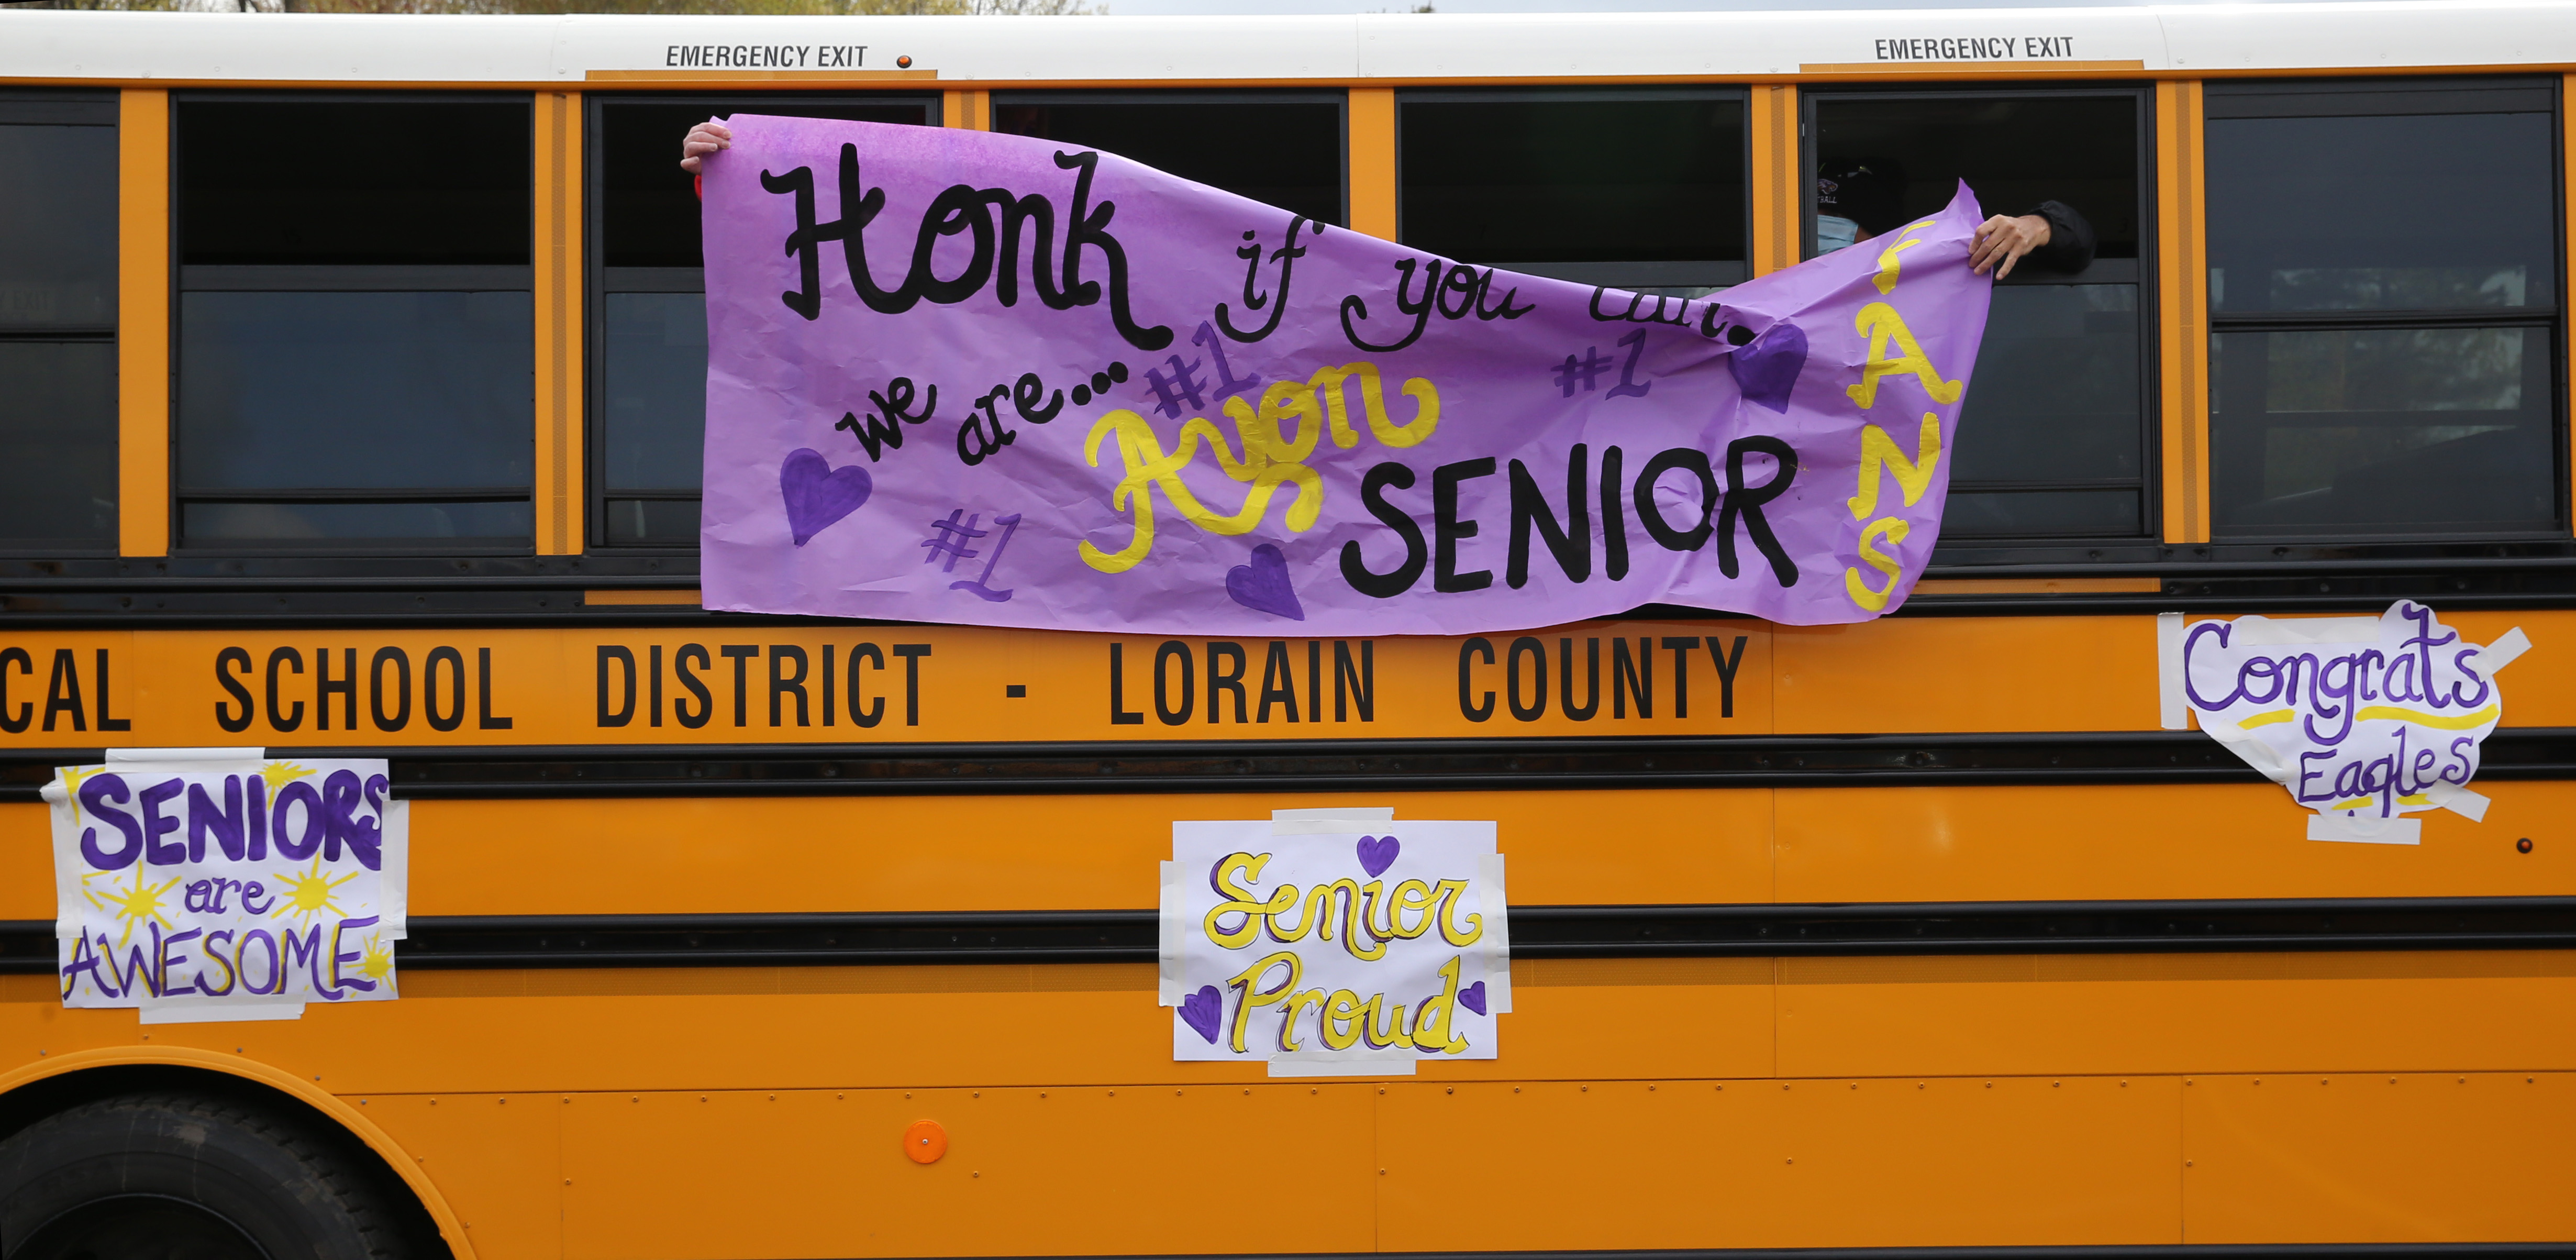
pixel 957 376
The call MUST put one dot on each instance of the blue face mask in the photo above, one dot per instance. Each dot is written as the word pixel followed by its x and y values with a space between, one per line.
pixel 1833 232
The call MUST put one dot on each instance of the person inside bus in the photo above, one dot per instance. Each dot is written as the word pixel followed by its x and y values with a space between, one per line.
pixel 1859 200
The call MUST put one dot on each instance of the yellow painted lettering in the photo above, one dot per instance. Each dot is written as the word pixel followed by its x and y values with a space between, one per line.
pixel 1241 900
pixel 1246 996
pixel 1876 600
pixel 1913 476
pixel 1883 325
pixel 1296 1007
pixel 1340 1015
pixel 1886 277
pixel 1433 1025
pixel 1411 896
pixel 1382 1024
pixel 1270 459
pixel 1452 891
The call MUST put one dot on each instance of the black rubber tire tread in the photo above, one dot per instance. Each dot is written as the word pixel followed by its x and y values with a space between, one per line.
pixel 273 1177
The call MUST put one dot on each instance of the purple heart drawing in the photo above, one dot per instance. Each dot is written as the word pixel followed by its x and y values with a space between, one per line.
pixel 1262 585
pixel 1378 853
pixel 1473 997
pixel 818 494
pixel 1767 369
pixel 1202 1009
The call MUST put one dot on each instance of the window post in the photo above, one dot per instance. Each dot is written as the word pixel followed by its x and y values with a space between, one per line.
pixel 1373 175
pixel 561 522
pixel 143 323
pixel 1771 124
pixel 2182 264
pixel 966 110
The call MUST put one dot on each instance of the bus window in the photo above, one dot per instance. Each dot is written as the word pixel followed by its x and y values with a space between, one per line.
pixel 2383 292
pixel 2053 439
pixel 648 361
pixel 355 342
pixel 1641 189
pixel 1295 163
pixel 58 322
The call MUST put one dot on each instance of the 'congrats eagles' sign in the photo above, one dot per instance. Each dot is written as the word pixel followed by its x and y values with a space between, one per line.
pixel 2363 719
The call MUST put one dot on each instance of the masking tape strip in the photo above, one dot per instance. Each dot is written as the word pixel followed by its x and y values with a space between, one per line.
pixel 2354 829
pixel 124 756
pixel 393 880
pixel 2459 800
pixel 2256 631
pixel 235 1014
pixel 2172 711
pixel 1497 940
pixel 1338 821
pixel 2506 649
pixel 1340 1064
pixel 1174 931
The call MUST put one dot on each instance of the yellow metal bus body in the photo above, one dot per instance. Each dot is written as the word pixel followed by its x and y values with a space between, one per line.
pixel 631 1025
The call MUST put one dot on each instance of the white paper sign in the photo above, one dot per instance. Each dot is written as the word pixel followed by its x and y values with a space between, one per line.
pixel 2363 719
pixel 1326 946
pixel 214 884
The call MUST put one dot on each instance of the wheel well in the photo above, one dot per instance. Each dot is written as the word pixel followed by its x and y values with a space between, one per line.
pixel 36 1100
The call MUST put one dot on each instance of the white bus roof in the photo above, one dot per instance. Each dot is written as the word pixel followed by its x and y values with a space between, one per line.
pixel 971 52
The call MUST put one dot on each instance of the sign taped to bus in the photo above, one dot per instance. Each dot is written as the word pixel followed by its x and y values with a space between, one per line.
pixel 1325 946
pixel 1127 430
pixel 211 884
pixel 2362 719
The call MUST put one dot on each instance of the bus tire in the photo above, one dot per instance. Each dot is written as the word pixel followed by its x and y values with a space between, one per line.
pixel 184 1177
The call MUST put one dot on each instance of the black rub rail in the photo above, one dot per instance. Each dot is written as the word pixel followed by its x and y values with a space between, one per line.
pixel 1537 932
pixel 2056 759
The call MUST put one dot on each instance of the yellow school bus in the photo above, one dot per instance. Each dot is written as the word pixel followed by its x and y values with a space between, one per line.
pixel 351 381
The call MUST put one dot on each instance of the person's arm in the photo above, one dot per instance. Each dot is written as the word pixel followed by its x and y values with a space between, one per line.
pixel 2070 239
pixel 2052 237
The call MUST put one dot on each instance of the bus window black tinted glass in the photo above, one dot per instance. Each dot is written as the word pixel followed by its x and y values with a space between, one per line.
pixel 58 228
pixel 648 205
pixel 2054 413
pixel 359 394
pixel 1644 179
pixel 2383 431
pixel 2423 211
pixel 1285 154
pixel 2014 152
pixel 58 426
pixel 340 181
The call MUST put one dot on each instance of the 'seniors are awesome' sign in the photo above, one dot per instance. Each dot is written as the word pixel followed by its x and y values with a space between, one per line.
pixel 202 884
pixel 958 376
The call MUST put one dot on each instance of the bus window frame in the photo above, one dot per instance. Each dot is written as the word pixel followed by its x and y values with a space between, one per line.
pixel 1739 93
pixel 2400 96
pixel 337 278
pixel 2146 545
pixel 597 284
pixel 72 107
pixel 1338 98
